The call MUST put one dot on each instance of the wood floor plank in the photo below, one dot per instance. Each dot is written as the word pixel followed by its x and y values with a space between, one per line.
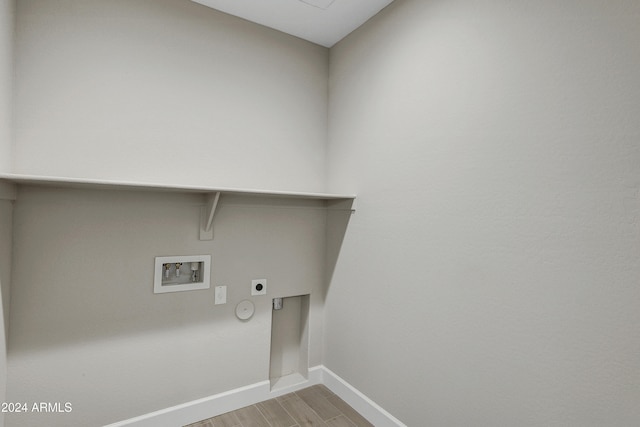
pixel 318 403
pixel 302 413
pixel 323 390
pixel 316 406
pixel 203 423
pixel 226 420
pixel 341 421
pixel 251 417
pixel 275 414
pixel 285 397
pixel 351 413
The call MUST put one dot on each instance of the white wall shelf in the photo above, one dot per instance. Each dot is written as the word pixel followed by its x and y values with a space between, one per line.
pixel 211 194
pixel 132 185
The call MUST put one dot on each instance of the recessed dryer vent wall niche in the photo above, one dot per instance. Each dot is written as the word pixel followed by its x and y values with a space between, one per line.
pixel 181 273
pixel 289 363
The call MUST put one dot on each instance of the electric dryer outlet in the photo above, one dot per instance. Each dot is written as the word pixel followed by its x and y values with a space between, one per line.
pixel 258 287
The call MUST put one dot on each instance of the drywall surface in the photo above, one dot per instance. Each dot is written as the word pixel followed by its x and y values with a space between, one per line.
pixel 167 91
pixel 87 329
pixel 6 228
pixel 490 274
pixel 6 247
pixel 6 78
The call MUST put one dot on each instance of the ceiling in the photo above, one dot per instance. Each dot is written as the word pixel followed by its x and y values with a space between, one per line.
pixel 324 22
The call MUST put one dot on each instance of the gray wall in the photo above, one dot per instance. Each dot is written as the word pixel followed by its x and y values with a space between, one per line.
pixel 86 327
pixel 172 92
pixel 167 91
pixel 494 258
pixel 7 194
pixel 7 9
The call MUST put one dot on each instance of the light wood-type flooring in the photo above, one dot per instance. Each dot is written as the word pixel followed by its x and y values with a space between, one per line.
pixel 315 406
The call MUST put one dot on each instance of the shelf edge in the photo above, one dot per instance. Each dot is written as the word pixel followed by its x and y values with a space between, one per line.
pixel 132 185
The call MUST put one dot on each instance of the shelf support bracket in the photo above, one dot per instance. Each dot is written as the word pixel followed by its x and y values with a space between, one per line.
pixel 206 215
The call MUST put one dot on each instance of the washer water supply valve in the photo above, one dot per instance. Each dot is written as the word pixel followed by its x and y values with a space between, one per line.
pixel 195 267
pixel 169 273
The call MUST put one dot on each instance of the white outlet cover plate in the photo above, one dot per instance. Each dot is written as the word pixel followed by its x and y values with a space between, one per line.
pixel 221 295
pixel 255 283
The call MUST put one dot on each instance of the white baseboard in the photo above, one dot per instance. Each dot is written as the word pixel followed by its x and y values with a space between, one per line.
pixel 373 412
pixel 231 400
